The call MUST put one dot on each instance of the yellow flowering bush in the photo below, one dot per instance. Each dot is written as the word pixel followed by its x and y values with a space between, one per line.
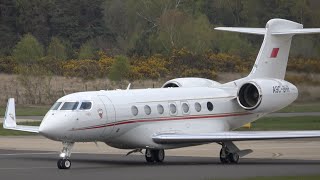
pixel 86 69
pixel 153 67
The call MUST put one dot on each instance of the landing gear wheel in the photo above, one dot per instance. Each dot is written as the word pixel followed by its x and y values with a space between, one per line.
pixel 59 164
pixel 224 156
pixel 159 155
pixel 233 157
pixel 154 155
pixel 149 156
pixel 64 164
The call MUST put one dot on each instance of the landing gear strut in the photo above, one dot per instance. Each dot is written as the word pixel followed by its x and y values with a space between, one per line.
pixel 226 156
pixel 64 162
pixel 154 155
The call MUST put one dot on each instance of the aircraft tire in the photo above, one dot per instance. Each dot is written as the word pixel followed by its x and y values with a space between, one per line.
pixel 223 157
pixel 233 157
pixel 159 155
pixel 64 164
pixel 59 164
pixel 149 155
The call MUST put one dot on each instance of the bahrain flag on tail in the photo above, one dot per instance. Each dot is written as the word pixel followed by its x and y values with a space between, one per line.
pixel 274 52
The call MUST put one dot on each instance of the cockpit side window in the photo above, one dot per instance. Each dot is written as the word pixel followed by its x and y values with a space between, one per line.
pixel 85 105
pixel 69 106
pixel 56 106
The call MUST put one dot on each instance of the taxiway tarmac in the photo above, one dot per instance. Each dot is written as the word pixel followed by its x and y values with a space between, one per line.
pixel 270 158
pixel 30 165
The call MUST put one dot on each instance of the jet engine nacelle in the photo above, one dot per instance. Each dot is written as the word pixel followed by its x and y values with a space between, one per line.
pixel 190 82
pixel 266 95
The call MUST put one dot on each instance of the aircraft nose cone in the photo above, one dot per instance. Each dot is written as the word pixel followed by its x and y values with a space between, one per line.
pixel 44 129
pixel 56 128
pixel 49 130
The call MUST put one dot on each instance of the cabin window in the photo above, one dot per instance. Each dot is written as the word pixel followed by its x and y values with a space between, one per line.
pixel 210 106
pixel 147 110
pixel 160 109
pixel 69 106
pixel 185 107
pixel 197 106
pixel 134 110
pixel 85 105
pixel 56 106
pixel 173 109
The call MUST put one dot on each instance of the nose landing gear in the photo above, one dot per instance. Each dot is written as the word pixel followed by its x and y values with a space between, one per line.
pixel 64 162
pixel 154 155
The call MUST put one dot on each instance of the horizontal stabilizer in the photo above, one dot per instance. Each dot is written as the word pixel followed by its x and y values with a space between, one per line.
pixel 259 31
pixel 10 120
pixel 263 31
pixel 298 31
pixel 232 136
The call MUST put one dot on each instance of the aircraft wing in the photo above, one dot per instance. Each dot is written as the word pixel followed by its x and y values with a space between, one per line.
pixel 9 121
pixel 174 138
pixel 34 129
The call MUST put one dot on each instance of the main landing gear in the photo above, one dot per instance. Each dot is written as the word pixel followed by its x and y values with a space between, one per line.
pixel 64 162
pixel 228 157
pixel 230 153
pixel 154 155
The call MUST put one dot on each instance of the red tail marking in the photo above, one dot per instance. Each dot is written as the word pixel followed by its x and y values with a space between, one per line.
pixel 274 52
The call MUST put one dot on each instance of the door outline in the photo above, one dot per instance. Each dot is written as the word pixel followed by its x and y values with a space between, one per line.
pixel 110 117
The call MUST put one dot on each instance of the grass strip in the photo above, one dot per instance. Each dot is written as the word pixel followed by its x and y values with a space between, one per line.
pixel 306 107
pixel 28 110
pixel 285 123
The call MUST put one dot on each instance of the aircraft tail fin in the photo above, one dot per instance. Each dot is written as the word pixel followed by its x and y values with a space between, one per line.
pixel 9 121
pixel 272 58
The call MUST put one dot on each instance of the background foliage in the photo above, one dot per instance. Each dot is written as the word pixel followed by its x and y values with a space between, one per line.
pixel 146 39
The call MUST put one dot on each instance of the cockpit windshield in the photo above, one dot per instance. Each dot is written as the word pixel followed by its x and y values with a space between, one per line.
pixel 85 105
pixel 55 106
pixel 69 106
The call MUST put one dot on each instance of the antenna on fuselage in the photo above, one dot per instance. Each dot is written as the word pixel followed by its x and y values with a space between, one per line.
pixel 129 85
pixel 64 92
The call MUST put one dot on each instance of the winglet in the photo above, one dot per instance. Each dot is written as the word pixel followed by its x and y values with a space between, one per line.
pixel 10 115
pixel 10 122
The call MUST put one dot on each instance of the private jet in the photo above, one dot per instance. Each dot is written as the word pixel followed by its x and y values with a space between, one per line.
pixel 183 112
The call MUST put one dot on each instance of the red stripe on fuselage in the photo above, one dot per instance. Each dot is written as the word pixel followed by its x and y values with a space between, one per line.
pixel 161 119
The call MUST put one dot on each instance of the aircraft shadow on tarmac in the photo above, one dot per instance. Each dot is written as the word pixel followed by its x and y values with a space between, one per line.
pixel 138 160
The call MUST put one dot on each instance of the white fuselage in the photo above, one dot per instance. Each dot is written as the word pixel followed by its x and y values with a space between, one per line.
pixel 129 118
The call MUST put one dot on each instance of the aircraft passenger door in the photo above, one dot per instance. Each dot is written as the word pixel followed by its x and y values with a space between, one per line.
pixel 108 115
